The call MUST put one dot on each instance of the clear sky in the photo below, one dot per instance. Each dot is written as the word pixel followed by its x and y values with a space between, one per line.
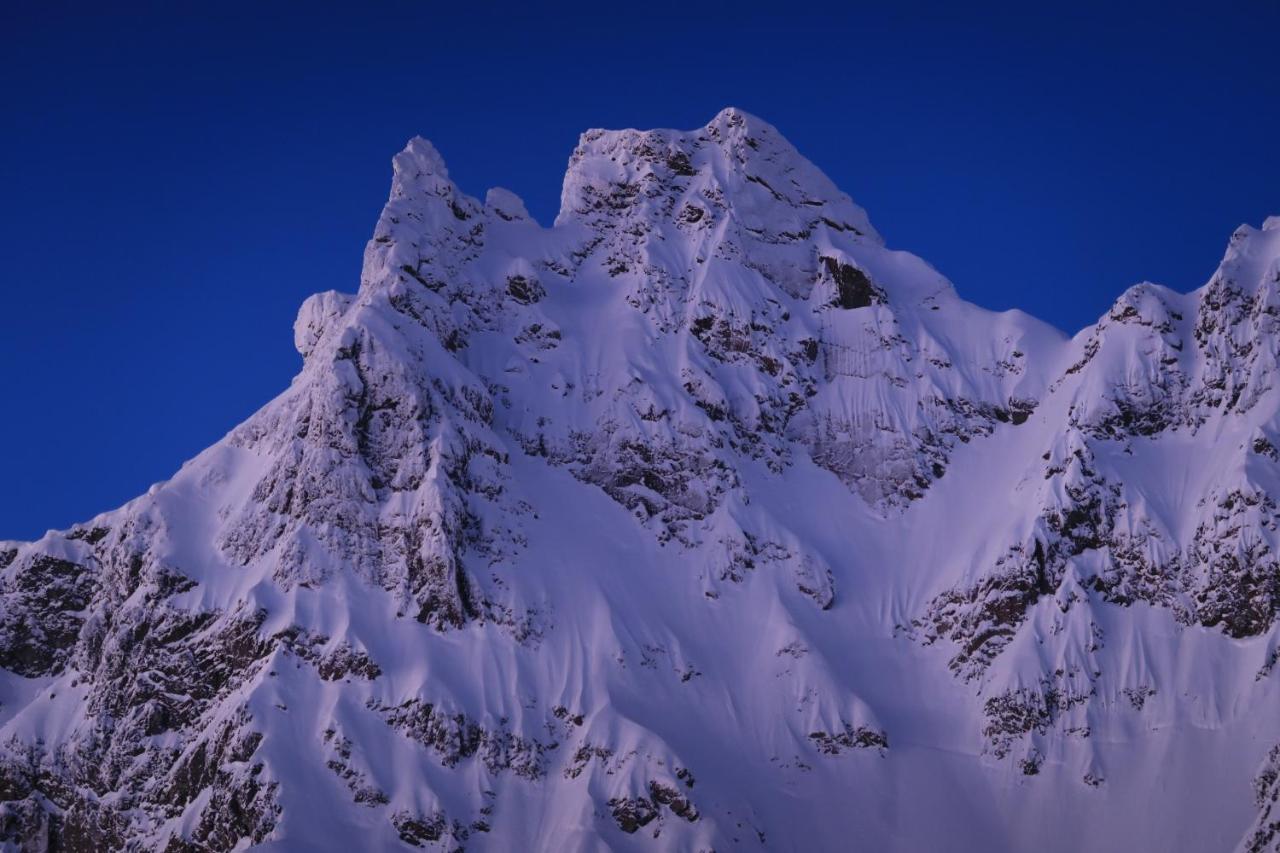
pixel 174 184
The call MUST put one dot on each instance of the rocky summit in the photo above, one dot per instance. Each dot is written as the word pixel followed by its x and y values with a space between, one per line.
pixel 698 520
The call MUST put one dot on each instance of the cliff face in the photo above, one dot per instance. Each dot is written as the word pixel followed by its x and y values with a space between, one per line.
pixel 700 519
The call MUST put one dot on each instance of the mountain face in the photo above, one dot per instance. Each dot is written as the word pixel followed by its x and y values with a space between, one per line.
pixel 699 520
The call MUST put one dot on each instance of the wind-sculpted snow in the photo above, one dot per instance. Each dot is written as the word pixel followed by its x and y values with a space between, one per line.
pixel 700 519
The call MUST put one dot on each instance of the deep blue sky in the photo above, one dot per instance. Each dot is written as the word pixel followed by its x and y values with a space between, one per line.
pixel 172 185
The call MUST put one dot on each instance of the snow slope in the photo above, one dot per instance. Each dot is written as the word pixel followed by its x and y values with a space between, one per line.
pixel 697 520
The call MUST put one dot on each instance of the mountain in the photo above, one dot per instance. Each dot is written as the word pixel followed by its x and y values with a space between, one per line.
pixel 698 520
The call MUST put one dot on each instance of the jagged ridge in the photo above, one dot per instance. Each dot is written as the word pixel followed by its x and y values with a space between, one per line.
pixel 607 532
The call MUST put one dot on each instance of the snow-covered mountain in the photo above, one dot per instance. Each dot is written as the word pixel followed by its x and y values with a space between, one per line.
pixel 698 520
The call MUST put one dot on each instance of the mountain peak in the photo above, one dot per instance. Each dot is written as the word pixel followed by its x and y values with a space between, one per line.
pixel 733 124
pixel 540 499
pixel 1252 258
pixel 420 163
pixel 736 160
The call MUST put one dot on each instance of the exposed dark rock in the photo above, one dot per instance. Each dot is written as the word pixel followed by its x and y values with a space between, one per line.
pixel 850 737
pixel 632 813
pixel 525 290
pixel 854 288
pixel 455 737
pixel 42 609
